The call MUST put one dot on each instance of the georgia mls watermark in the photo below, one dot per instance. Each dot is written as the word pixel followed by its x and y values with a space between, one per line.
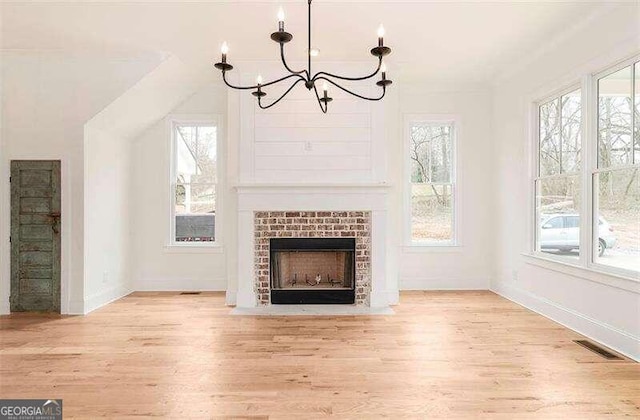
pixel 30 409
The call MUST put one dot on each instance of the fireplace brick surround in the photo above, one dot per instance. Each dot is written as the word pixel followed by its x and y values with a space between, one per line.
pixel 312 224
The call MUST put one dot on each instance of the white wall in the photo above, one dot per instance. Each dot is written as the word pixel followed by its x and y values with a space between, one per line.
pixel 107 218
pixel 469 265
pixel 46 99
pixel 600 306
pixel 107 158
pixel 154 265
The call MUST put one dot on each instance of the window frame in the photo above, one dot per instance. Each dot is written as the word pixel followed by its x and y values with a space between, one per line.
pixel 535 169
pixel 455 244
pixel 594 164
pixel 175 121
pixel 588 84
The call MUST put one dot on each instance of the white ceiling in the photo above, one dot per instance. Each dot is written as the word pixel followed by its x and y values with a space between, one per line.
pixel 431 41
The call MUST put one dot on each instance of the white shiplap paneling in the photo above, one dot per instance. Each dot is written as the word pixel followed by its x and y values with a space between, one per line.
pixel 312 163
pixel 295 141
pixel 307 148
pixel 264 119
pixel 314 135
pixel 306 106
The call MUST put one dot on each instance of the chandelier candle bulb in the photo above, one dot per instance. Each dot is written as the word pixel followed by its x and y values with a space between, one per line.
pixel 259 80
pixel 383 69
pixel 380 36
pixel 325 98
pixel 224 49
pixel 325 88
pixel 281 19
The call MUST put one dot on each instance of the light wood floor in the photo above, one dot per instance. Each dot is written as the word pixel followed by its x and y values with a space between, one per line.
pixel 444 354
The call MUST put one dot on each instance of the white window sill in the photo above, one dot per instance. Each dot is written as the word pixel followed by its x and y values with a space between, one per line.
pixel 419 248
pixel 594 274
pixel 195 248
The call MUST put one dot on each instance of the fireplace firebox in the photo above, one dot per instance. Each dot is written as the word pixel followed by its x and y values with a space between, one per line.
pixel 312 270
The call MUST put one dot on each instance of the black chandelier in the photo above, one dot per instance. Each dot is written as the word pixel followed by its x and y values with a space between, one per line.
pixel 282 37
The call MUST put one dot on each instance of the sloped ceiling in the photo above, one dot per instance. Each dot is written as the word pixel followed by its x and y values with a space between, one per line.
pixel 149 100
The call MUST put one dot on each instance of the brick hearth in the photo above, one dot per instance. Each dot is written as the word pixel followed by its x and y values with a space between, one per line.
pixel 313 224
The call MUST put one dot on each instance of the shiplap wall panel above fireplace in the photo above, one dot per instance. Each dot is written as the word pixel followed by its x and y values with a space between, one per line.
pixel 313 134
pixel 320 148
pixel 294 142
pixel 296 120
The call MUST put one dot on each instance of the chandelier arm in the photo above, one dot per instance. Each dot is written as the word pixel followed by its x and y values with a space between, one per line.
pixel 321 73
pixel 281 97
pixel 384 90
pixel 326 105
pixel 286 66
pixel 224 78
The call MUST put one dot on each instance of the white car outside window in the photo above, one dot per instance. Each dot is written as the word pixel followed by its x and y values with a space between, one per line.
pixel 561 232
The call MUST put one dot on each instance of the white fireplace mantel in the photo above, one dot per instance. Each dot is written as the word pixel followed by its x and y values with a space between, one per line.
pixel 315 197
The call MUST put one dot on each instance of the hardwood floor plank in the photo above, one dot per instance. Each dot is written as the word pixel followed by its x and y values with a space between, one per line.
pixel 442 355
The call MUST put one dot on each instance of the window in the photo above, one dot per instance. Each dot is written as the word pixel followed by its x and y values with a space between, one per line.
pixel 616 180
pixel 557 184
pixel 194 183
pixel 600 166
pixel 432 183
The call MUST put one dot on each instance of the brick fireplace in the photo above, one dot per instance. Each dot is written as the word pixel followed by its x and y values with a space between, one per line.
pixel 312 224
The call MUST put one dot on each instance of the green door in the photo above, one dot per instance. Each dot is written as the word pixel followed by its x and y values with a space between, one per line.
pixel 35 235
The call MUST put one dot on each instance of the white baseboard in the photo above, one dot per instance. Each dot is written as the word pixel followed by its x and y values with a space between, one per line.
pixel 105 297
pixel 76 307
pixel 383 298
pixel 393 297
pixel 172 285
pixel 231 297
pixel 177 289
pixel 444 284
pixel 612 337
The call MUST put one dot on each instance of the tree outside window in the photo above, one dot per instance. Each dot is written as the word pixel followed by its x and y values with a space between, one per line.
pixel 432 183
